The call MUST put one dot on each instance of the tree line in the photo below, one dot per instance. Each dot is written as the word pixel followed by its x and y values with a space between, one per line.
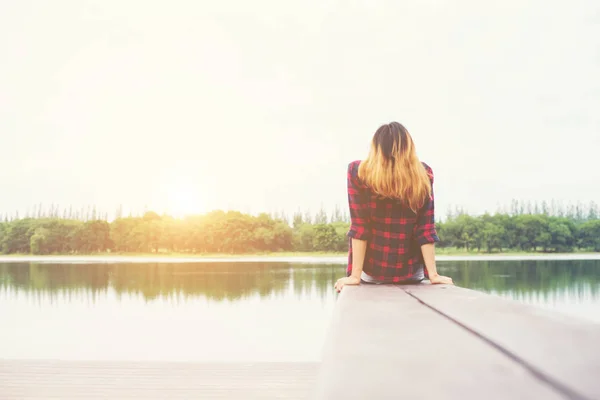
pixel 232 232
pixel 527 227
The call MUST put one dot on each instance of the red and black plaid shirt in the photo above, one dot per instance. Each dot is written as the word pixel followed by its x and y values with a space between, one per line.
pixel 394 233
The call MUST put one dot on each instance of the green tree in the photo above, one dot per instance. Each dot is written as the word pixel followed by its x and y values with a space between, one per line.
pixel 321 217
pixel 341 240
pixel 123 236
pixel 39 241
pixel 18 235
pixel 304 238
pixel 593 212
pixel 561 231
pixel 325 238
pixel 590 235
pixel 337 215
pixel 3 227
pixel 492 235
pixel 298 220
pixel 532 231
pixel 92 237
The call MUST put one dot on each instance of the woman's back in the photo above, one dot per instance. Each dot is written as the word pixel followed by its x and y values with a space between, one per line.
pixel 395 232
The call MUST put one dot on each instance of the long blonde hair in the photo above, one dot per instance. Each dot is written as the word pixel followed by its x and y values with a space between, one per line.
pixel 393 170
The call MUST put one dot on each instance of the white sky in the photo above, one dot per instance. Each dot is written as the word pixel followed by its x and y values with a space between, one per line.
pixel 260 105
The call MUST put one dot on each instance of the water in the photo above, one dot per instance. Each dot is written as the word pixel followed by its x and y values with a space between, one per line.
pixel 227 311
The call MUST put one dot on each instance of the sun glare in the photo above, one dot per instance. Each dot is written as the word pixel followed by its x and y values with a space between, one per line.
pixel 184 199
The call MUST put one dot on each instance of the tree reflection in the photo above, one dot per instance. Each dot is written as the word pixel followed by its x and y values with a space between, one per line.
pixel 216 281
pixel 545 279
pixel 231 281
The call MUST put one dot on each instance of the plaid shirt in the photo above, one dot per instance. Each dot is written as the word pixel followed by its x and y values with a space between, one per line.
pixel 394 233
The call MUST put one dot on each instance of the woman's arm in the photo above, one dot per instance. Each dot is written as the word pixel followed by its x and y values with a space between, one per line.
pixel 359 250
pixel 359 232
pixel 428 251
pixel 427 236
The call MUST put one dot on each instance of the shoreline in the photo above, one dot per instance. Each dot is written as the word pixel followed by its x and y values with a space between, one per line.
pixel 295 258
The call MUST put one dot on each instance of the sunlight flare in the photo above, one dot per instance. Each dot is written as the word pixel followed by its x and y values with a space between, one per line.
pixel 184 198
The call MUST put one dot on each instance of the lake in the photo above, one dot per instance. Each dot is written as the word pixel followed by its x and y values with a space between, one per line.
pixel 227 311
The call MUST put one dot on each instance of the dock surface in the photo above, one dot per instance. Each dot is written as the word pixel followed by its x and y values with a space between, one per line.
pixel 444 342
pixel 20 380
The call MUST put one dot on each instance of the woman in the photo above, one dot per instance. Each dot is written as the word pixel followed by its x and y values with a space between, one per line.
pixel 393 232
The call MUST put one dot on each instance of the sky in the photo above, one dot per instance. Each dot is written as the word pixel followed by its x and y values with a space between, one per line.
pixel 188 106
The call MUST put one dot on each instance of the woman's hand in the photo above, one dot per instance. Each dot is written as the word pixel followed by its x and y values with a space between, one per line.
pixel 441 280
pixel 351 280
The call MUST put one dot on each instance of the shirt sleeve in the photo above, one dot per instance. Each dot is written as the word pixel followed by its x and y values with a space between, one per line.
pixel 426 232
pixel 358 200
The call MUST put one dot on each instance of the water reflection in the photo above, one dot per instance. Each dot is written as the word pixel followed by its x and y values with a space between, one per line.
pixel 215 281
pixel 572 287
pixel 526 276
pixel 237 281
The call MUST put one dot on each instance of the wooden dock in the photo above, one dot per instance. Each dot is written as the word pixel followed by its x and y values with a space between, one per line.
pixel 441 342
pixel 20 380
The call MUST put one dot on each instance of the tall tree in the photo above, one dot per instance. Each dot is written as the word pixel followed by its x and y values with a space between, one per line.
pixel 308 217
pixel 593 211
pixel 336 216
pixel 545 209
pixel 298 220
pixel 321 217
pixel 119 212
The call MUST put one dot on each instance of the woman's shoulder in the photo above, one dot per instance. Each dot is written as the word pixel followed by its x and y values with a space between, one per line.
pixel 428 169
pixel 353 173
pixel 353 167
